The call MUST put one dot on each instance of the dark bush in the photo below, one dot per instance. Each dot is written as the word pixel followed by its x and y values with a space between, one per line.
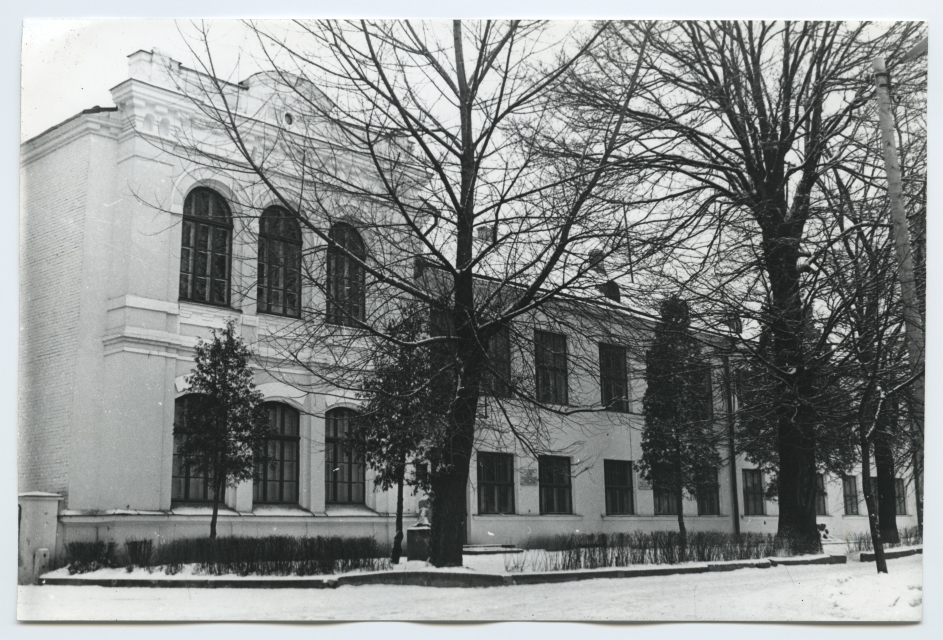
pixel 592 551
pixel 139 552
pixel 909 537
pixel 272 555
pixel 83 557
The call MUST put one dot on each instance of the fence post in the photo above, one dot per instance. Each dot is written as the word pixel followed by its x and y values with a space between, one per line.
pixel 38 522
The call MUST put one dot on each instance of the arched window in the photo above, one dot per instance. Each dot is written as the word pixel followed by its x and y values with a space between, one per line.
pixel 345 278
pixel 344 471
pixel 279 289
pixel 206 248
pixel 189 483
pixel 277 481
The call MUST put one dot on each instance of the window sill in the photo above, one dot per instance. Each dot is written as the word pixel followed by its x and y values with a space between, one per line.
pixel 496 515
pixel 222 307
pixel 272 314
pixel 561 516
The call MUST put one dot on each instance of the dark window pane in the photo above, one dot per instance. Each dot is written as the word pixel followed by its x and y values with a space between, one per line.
pixel 495 483
pixel 554 475
pixel 189 483
pixel 344 470
pixel 613 379
pixel 850 491
pixel 821 499
pixel 206 226
pixel 900 495
pixel 345 287
pixel 708 498
pixel 551 367
pixel 273 479
pixel 754 500
pixel 618 481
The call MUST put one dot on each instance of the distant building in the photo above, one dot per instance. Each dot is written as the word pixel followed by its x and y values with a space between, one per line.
pixel 129 254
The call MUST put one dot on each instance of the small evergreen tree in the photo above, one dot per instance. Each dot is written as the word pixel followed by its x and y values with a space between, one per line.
pixel 403 412
pixel 227 428
pixel 679 443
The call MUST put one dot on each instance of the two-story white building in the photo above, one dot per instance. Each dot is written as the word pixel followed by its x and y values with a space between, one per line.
pixel 130 254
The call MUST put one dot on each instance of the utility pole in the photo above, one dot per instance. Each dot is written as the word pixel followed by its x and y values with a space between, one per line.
pixel 905 272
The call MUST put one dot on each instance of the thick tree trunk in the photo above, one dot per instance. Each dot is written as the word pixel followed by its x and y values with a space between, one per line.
pixel 448 514
pixel 682 532
pixel 918 488
pixel 886 490
pixel 876 541
pixel 796 441
pixel 398 538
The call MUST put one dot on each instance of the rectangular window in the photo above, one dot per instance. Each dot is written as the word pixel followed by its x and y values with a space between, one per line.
pixel 498 369
pixel 550 361
pixel 277 481
pixel 495 483
pixel 821 498
pixel 708 498
pixel 850 492
pixel 344 469
pixel 666 502
pixel 613 381
pixel 900 496
pixel 189 484
pixel 554 475
pixel 754 500
pixel 618 477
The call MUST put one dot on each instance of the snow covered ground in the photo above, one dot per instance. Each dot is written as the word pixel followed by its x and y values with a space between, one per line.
pixel 852 592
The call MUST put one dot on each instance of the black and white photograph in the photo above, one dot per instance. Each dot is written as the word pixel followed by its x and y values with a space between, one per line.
pixel 613 320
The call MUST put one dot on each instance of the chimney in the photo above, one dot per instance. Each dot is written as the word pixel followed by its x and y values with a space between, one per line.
pixel 485 233
pixel 611 291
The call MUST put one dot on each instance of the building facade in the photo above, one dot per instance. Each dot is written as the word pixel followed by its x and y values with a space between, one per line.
pixel 131 254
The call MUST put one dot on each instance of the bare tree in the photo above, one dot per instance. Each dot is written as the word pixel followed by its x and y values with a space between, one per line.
pixel 424 162
pixel 738 123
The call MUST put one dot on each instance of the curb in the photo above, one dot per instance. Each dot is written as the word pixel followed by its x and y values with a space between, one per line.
pixel 791 562
pixel 313 583
pixel 867 556
pixel 424 579
pixel 442 579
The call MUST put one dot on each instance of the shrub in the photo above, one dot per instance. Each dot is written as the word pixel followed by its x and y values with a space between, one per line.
pixel 272 555
pixel 139 552
pixel 909 536
pixel 83 557
pixel 593 551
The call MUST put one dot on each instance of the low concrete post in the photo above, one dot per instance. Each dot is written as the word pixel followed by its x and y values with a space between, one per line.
pixel 38 522
pixel 417 542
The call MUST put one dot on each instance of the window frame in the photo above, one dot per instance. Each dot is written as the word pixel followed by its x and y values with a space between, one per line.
pixel 551 368
pixel 337 453
pixel 561 491
pixel 753 492
pixel 284 242
pixel 189 474
pixel 900 497
pixel 215 223
pixel 496 381
pixel 709 504
pixel 619 487
pixel 261 479
pixel 821 495
pixel 664 501
pixel 346 290
pixel 849 495
pixel 612 378
pixel 494 488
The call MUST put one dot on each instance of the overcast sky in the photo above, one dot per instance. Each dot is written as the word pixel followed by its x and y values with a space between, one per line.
pixel 70 65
